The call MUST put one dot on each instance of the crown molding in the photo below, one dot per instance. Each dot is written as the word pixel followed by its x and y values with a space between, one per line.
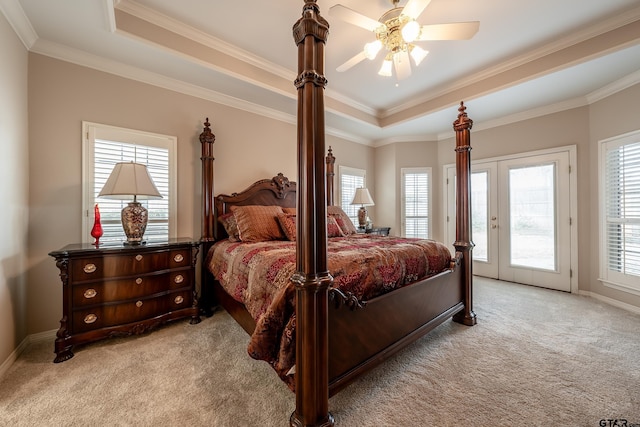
pixel 150 15
pixel 12 10
pixel 562 43
pixel 109 12
pixel 178 27
pixel 82 58
pixel 95 62
pixel 350 102
pixel 614 87
pixel 524 115
pixel 408 138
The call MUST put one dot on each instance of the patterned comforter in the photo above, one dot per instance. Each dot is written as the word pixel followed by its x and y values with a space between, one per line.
pixel 257 275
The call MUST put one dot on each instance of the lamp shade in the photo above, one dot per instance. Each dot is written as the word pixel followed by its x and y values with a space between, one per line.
pixel 362 197
pixel 127 180
pixel 130 179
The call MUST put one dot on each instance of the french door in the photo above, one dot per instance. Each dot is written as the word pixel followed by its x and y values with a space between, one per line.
pixel 521 210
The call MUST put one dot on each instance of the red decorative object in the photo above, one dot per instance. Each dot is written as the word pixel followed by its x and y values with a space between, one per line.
pixel 96 231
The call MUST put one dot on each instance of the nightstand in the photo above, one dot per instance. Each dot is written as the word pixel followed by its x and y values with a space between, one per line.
pixel 382 231
pixel 118 290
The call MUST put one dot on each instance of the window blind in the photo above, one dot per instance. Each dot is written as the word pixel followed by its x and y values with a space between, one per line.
pixel 106 155
pixel 104 146
pixel 622 208
pixel 415 201
pixel 350 180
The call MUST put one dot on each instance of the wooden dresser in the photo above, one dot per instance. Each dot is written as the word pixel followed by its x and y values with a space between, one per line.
pixel 116 290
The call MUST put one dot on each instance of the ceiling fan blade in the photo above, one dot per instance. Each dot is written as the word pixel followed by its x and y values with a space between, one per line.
pixel 353 17
pixel 402 65
pixel 452 31
pixel 414 8
pixel 351 62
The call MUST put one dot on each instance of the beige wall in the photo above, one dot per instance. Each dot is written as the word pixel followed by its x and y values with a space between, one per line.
pixel 612 116
pixel 383 214
pixel 248 147
pixel 14 167
pixel 390 159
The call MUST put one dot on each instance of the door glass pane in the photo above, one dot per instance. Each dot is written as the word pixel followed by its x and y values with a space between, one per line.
pixel 532 217
pixel 479 215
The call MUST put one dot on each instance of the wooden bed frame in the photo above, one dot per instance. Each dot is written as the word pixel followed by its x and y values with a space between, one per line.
pixel 335 342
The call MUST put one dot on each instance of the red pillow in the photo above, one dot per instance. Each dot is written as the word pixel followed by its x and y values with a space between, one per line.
pixel 288 224
pixel 344 222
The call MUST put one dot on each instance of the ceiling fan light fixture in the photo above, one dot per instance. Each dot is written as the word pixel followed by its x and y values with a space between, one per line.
pixel 418 54
pixel 371 49
pixel 396 31
pixel 410 31
pixel 386 69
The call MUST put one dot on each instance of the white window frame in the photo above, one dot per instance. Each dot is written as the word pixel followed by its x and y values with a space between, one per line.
pixel 403 208
pixel 618 280
pixel 96 131
pixel 346 198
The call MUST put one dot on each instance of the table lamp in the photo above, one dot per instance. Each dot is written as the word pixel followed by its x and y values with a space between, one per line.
pixel 362 198
pixel 126 180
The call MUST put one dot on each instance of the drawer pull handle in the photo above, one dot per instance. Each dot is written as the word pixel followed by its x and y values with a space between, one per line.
pixel 90 293
pixel 138 257
pixel 139 304
pixel 90 268
pixel 179 299
pixel 178 258
pixel 90 318
pixel 139 281
pixel 179 278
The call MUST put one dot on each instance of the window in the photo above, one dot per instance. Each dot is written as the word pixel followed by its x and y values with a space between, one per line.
pixel 620 212
pixel 350 179
pixel 415 202
pixel 103 147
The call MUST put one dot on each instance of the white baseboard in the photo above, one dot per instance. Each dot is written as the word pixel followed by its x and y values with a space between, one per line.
pixel 611 301
pixel 30 339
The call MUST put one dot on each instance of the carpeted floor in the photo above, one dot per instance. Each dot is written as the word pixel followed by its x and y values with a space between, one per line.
pixel 535 358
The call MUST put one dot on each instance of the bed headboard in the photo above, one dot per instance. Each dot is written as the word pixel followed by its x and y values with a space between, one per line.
pixel 277 191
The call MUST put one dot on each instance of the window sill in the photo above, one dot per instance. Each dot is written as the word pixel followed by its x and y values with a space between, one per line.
pixel 630 289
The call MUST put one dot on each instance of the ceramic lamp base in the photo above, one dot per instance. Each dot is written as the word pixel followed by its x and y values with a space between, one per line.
pixel 134 223
pixel 362 217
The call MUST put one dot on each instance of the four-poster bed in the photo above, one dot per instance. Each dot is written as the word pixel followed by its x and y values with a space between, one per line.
pixel 338 334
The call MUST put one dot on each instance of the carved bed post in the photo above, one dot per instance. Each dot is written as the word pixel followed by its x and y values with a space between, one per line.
pixel 463 243
pixel 207 138
pixel 331 161
pixel 312 278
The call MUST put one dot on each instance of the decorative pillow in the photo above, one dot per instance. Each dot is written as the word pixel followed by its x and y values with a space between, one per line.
pixel 230 225
pixel 258 223
pixel 344 222
pixel 289 210
pixel 333 229
pixel 288 224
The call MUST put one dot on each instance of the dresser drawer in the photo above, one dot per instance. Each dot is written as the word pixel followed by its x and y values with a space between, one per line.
pixel 107 315
pixel 114 289
pixel 99 292
pixel 92 268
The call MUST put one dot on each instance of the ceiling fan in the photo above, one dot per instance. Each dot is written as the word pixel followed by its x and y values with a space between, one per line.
pixel 396 31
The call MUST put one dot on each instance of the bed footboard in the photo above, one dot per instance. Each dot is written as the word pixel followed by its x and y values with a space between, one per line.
pixel 361 338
